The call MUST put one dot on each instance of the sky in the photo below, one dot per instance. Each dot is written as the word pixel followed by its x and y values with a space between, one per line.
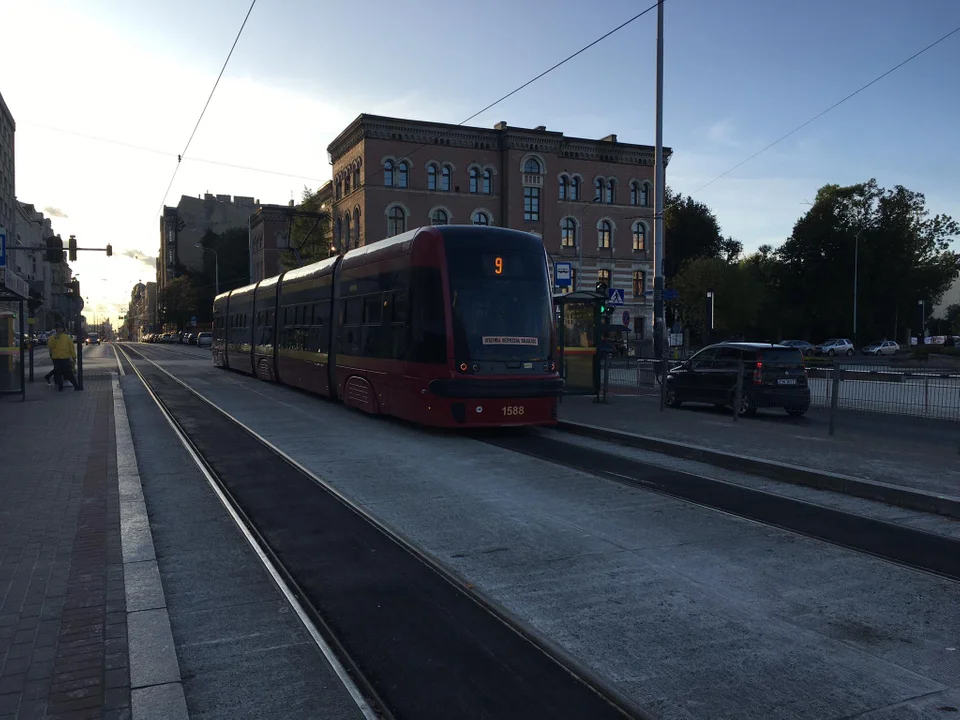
pixel 738 74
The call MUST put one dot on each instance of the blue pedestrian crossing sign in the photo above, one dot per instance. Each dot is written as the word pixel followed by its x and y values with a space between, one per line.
pixel 615 296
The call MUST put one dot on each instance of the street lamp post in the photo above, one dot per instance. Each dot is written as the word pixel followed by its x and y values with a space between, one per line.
pixel 216 267
pixel 583 210
pixel 923 318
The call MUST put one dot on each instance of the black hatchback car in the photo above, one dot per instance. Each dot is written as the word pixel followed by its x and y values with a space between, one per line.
pixel 773 376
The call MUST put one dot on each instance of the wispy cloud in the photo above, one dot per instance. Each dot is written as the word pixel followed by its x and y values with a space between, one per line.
pixel 137 255
pixel 54 212
pixel 723 133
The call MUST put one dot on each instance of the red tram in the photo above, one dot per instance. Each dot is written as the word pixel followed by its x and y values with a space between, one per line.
pixel 448 326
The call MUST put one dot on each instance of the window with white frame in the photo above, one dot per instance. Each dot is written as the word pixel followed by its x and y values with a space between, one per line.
pixel 645 194
pixel 396 221
pixel 480 218
pixel 445 175
pixel 531 203
pixel 568 233
pixel 487 182
pixel 474 180
pixel 403 173
pixel 639 236
pixel 439 217
pixel 604 234
pixel 574 188
pixel 431 177
pixel 387 173
pixel 532 166
pixel 634 192
pixel 599 186
pixel 562 185
pixel 611 191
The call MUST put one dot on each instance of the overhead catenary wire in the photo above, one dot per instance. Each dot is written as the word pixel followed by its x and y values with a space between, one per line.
pixel 168 153
pixel 832 107
pixel 529 82
pixel 205 106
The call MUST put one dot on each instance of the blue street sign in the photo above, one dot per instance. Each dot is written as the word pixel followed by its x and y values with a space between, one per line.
pixel 563 274
pixel 3 247
pixel 615 296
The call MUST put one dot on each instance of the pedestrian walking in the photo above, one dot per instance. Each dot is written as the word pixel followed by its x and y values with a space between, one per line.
pixel 63 354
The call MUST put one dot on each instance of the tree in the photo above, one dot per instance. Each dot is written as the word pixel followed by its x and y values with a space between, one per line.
pixel 691 231
pixel 738 296
pixel 309 232
pixel 900 255
pixel 179 300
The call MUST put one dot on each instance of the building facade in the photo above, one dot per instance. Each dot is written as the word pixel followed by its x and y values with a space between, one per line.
pixel 47 281
pixel 270 227
pixel 142 311
pixel 591 201
pixel 8 194
pixel 182 229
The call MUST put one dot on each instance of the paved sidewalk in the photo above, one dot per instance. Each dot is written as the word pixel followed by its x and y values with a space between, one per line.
pixel 909 452
pixel 63 621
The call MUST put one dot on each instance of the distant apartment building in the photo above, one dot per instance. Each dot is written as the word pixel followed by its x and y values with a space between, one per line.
pixel 581 196
pixel 182 228
pixel 8 202
pixel 270 229
pixel 47 281
pixel 142 311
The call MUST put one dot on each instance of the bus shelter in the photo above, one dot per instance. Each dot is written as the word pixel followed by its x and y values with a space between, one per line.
pixel 578 337
pixel 13 340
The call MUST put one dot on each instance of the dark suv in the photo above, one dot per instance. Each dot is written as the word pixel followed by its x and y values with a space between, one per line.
pixel 773 376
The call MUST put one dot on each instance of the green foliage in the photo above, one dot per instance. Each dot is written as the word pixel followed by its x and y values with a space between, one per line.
pixel 179 300
pixel 691 231
pixel 904 257
pixel 738 295
pixel 310 237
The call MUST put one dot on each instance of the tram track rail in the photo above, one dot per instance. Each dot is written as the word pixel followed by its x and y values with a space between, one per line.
pixel 409 637
pixel 899 544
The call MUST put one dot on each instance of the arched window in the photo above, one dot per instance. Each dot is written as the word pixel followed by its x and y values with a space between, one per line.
pixel 611 185
pixel 431 177
pixel 356 177
pixel 639 236
pixel 634 193
pixel 575 188
pixel 474 180
pixel 338 231
pixel 604 233
pixel 402 172
pixel 445 178
pixel 487 182
pixel 532 166
pixel 645 194
pixel 439 217
pixel 338 188
pixel 396 221
pixel 388 173
pixel 356 224
pixel 562 186
pixel 346 184
pixel 346 231
pixel 599 187
pixel 568 233
pixel 480 218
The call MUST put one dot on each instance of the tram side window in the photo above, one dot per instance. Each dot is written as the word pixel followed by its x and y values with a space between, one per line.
pixel 427 317
pixel 350 327
pixel 317 335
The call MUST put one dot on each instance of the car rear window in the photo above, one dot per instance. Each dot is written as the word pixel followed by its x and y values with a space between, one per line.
pixel 780 355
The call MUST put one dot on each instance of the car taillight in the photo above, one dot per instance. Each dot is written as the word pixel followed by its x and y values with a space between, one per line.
pixel 758 374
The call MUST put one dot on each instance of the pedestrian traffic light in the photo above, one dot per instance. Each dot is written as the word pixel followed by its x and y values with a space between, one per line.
pixel 109 250
pixel 72 246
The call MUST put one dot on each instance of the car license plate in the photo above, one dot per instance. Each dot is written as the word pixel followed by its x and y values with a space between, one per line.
pixel 787 381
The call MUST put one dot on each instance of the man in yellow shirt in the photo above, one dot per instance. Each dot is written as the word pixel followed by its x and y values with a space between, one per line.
pixel 63 354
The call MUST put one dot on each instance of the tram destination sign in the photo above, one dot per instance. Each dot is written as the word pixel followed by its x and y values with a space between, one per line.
pixel 509 340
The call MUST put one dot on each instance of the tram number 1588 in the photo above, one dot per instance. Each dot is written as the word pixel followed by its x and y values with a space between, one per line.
pixel 511 410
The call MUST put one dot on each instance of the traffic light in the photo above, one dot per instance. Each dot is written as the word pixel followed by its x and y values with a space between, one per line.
pixel 109 250
pixel 72 245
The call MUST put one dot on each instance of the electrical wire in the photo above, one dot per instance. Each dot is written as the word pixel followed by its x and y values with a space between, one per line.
pixel 167 153
pixel 368 180
pixel 824 112
pixel 206 105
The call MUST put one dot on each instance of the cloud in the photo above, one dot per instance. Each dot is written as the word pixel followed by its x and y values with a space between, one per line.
pixel 137 255
pixel 55 212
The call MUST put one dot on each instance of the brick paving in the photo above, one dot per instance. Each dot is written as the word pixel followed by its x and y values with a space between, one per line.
pixel 63 628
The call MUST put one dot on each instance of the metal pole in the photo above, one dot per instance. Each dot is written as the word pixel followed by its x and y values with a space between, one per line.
pixel 856 266
pixel 658 284
pixel 835 395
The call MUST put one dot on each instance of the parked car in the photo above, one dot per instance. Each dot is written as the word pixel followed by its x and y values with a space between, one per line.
pixel 204 339
pixel 836 346
pixel 802 345
pixel 881 347
pixel 773 376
